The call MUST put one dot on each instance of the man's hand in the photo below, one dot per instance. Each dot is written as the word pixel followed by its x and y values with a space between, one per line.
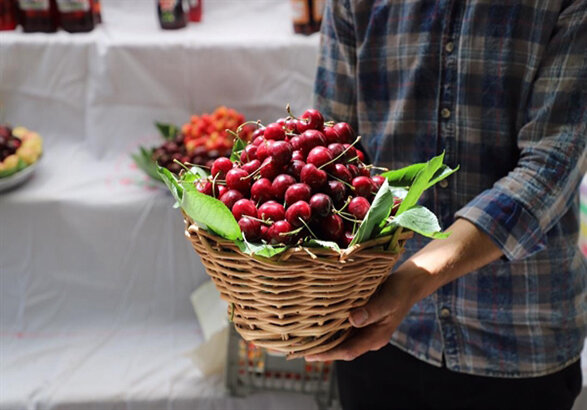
pixel 438 263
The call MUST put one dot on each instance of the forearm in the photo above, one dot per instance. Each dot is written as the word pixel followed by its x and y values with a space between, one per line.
pixel 444 260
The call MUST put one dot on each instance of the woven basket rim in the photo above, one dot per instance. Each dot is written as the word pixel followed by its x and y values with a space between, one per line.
pixel 323 253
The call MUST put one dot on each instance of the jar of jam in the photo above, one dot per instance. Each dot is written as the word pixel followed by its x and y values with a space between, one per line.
pixel 195 10
pixel 8 14
pixel 38 15
pixel 172 14
pixel 76 16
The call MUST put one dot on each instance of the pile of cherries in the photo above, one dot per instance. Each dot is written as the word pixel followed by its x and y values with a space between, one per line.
pixel 8 142
pixel 298 179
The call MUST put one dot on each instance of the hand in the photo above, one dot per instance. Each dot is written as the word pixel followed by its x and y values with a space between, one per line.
pixel 378 319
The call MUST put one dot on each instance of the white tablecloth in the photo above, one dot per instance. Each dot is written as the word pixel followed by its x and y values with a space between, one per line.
pixel 95 274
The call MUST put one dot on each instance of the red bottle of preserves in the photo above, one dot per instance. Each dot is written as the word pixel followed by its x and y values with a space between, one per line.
pixel 8 15
pixel 171 14
pixel 307 15
pixel 196 10
pixel 76 16
pixel 38 16
pixel 97 8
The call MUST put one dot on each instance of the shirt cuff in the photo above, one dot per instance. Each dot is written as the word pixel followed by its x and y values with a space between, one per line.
pixel 507 222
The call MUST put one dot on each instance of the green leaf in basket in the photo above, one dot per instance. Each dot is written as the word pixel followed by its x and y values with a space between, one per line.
pixel 264 250
pixel 237 147
pixel 209 212
pixel 420 220
pixel 169 179
pixel 403 176
pixel 421 183
pixel 444 172
pixel 379 211
pixel 167 131
pixel 144 161
pixel 194 174
pixel 317 243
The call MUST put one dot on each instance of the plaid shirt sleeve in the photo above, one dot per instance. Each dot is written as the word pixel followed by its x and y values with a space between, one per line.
pixel 337 65
pixel 520 209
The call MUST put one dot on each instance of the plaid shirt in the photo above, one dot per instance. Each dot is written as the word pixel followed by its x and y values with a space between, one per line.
pixel 500 86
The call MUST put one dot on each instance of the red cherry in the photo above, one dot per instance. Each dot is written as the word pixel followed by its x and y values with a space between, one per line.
pixel 298 212
pixel 314 177
pixel 296 142
pixel 337 191
pixel 271 210
pixel 261 190
pixel 331 135
pixel 297 192
pixel 237 178
pixel 259 139
pixel 280 185
pixel 221 166
pixel 277 231
pixel 319 156
pixel 321 205
pixel 396 203
pixel 359 206
pixel 360 154
pixel 378 181
pixel 221 189
pixel 264 230
pixel 250 228
pixel 336 149
pixel 257 133
pixel 248 154
pixel 244 207
pixel 252 166
pixel 230 197
pixel 363 186
pixel 354 170
pixel 274 131
pixel 364 172
pixel 263 150
pixel 311 139
pixel 295 168
pixel 281 152
pixel 270 169
pixel 347 238
pixel 332 226
pixel 341 172
pixel 345 132
pixel 312 119
pixel 298 155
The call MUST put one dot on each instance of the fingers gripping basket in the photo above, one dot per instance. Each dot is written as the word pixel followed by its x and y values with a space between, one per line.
pixel 298 302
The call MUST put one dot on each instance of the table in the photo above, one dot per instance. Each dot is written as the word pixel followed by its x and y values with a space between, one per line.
pixel 95 275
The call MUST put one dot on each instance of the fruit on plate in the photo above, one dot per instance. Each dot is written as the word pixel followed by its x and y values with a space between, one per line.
pixel 19 148
pixel 200 141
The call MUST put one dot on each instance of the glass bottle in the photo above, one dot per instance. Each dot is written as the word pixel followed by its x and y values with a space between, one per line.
pixel 38 15
pixel 76 16
pixel 8 15
pixel 196 10
pixel 171 14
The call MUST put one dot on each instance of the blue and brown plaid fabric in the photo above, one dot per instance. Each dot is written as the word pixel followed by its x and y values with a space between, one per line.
pixel 501 87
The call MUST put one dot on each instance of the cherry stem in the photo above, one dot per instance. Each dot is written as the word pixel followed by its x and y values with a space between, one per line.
pixel 306 225
pixel 263 221
pixel 343 215
pixel 340 180
pixel 240 127
pixel 288 109
pixel 181 165
pixel 256 171
pixel 290 233
pixel 346 203
pixel 341 154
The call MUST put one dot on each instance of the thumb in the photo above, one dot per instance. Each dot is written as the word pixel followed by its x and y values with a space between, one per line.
pixel 377 308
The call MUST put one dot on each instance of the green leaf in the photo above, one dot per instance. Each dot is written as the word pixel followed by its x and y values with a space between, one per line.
pixel 403 176
pixel 194 174
pixel 420 220
pixel 264 250
pixel 379 210
pixel 144 161
pixel 167 131
pixel 317 243
pixel 169 179
pixel 237 147
pixel 444 172
pixel 420 183
pixel 209 212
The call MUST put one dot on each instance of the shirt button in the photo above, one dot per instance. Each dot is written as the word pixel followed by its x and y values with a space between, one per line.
pixel 445 113
pixel 443 183
pixel 444 313
pixel 449 47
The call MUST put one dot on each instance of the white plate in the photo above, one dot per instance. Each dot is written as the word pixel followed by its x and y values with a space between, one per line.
pixel 19 178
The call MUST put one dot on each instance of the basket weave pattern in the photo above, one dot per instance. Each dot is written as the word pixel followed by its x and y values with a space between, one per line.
pixel 297 302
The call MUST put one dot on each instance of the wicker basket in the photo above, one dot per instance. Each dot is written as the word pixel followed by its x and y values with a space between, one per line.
pixel 298 302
